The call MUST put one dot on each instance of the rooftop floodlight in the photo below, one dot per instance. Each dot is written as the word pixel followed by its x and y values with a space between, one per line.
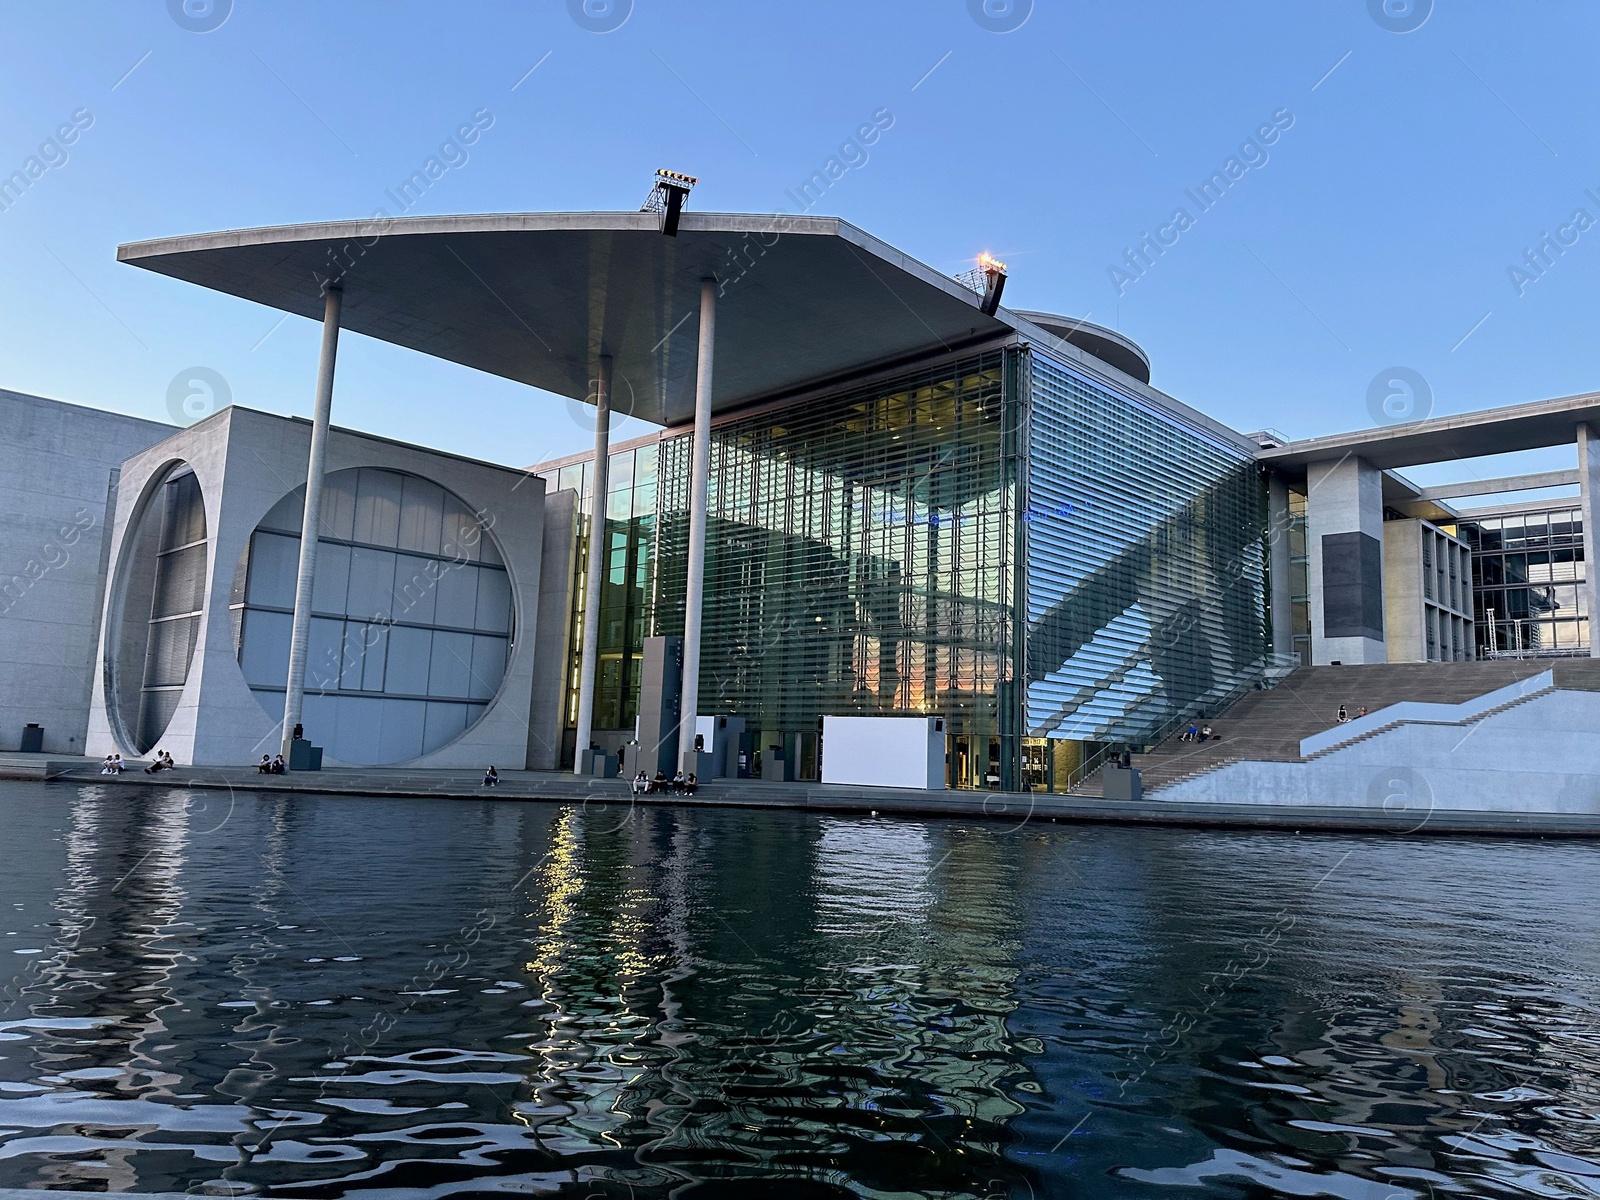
pixel 666 197
pixel 988 279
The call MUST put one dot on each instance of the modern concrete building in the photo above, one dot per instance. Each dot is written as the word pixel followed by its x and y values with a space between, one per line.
pixel 425 610
pixel 1427 593
pixel 1361 602
pixel 874 492
pixel 59 469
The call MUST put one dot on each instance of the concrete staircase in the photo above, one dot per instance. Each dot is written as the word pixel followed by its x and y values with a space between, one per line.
pixel 1268 726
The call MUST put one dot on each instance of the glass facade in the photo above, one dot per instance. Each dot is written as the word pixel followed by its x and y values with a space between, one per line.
pixel 1528 579
pixel 176 606
pixel 1146 563
pixel 860 560
pixel 869 552
pixel 627 587
pixel 412 616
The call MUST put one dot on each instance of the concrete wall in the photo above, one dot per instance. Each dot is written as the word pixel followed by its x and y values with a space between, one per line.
pixel 555 620
pixel 1588 482
pixel 1411 605
pixel 1536 757
pixel 246 462
pixel 58 473
pixel 1344 525
pixel 1402 591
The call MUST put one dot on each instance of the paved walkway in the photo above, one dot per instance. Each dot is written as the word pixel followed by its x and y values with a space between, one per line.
pixel 1006 808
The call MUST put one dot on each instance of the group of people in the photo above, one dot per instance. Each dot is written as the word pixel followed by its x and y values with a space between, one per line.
pixel 112 764
pixel 271 766
pixel 1196 733
pixel 1344 714
pixel 679 785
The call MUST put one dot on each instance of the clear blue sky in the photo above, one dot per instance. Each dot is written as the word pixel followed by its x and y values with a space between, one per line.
pixel 1378 232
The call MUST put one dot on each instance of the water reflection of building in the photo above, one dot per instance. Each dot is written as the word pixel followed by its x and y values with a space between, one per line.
pixel 872 969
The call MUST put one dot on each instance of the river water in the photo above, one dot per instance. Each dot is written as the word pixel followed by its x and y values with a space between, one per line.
pixel 320 996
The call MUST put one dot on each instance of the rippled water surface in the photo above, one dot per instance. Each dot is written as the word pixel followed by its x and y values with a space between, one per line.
pixel 324 997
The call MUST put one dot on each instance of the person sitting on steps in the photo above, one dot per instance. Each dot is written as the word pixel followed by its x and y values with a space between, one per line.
pixel 491 778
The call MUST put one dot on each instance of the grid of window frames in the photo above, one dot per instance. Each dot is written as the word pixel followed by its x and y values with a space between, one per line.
pixel 1146 563
pixel 411 623
pixel 1299 575
pixel 626 588
pixel 1528 577
pixel 176 605
pixel 859 551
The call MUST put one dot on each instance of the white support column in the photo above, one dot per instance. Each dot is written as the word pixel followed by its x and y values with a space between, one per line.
pixel 300 634
pixel 1588 480
pixel 589 663
pixel 699 485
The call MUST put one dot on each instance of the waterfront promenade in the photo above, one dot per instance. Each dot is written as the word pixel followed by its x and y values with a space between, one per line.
pixel 560 787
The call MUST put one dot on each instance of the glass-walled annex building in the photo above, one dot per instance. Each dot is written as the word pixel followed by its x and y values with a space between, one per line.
pixel 1529 582
pixel 870 549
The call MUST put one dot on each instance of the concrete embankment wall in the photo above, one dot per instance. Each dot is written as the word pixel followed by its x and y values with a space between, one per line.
pixel 1542 755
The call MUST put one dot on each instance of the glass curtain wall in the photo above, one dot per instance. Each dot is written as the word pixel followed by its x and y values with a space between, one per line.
pixel 859 560
pixel 1146 562
pixel 412 616
pixel 627 585
pixel 1528 577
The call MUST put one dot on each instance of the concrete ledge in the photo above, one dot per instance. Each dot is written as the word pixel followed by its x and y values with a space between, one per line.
pixel 1422 713
pixel 1009 808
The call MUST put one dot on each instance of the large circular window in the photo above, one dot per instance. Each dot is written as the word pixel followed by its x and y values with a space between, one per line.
pixel 411 616
pixel 165 573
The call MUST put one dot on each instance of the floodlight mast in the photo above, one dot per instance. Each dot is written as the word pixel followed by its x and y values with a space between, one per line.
pixel 667 194
pixel 988 279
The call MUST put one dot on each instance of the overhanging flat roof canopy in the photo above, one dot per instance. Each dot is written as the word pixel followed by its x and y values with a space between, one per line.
pixel 1443 439
pixel 538 297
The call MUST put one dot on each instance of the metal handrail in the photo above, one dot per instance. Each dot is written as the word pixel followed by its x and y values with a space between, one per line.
pixel 1162 732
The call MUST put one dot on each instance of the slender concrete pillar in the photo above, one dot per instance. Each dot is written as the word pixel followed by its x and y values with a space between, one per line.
pixel 699 485
pixel 589 663
pixel 1588 480
pixel 300 634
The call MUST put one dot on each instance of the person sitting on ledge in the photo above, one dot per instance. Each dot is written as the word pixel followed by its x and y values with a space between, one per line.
pixel 117 765
pixel 690 784
pixel 659 783
pixel 1344 715
pixel 163 762
pixel 677 783
pixel 1191 733
pixel 491 778
pixel 108 766
pixel 265 765
pixel 640 784
pixel 1206 735
pixel 277 765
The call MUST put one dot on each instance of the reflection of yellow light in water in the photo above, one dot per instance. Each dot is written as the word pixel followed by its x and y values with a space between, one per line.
pixel 566 1055
pixel 563 880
